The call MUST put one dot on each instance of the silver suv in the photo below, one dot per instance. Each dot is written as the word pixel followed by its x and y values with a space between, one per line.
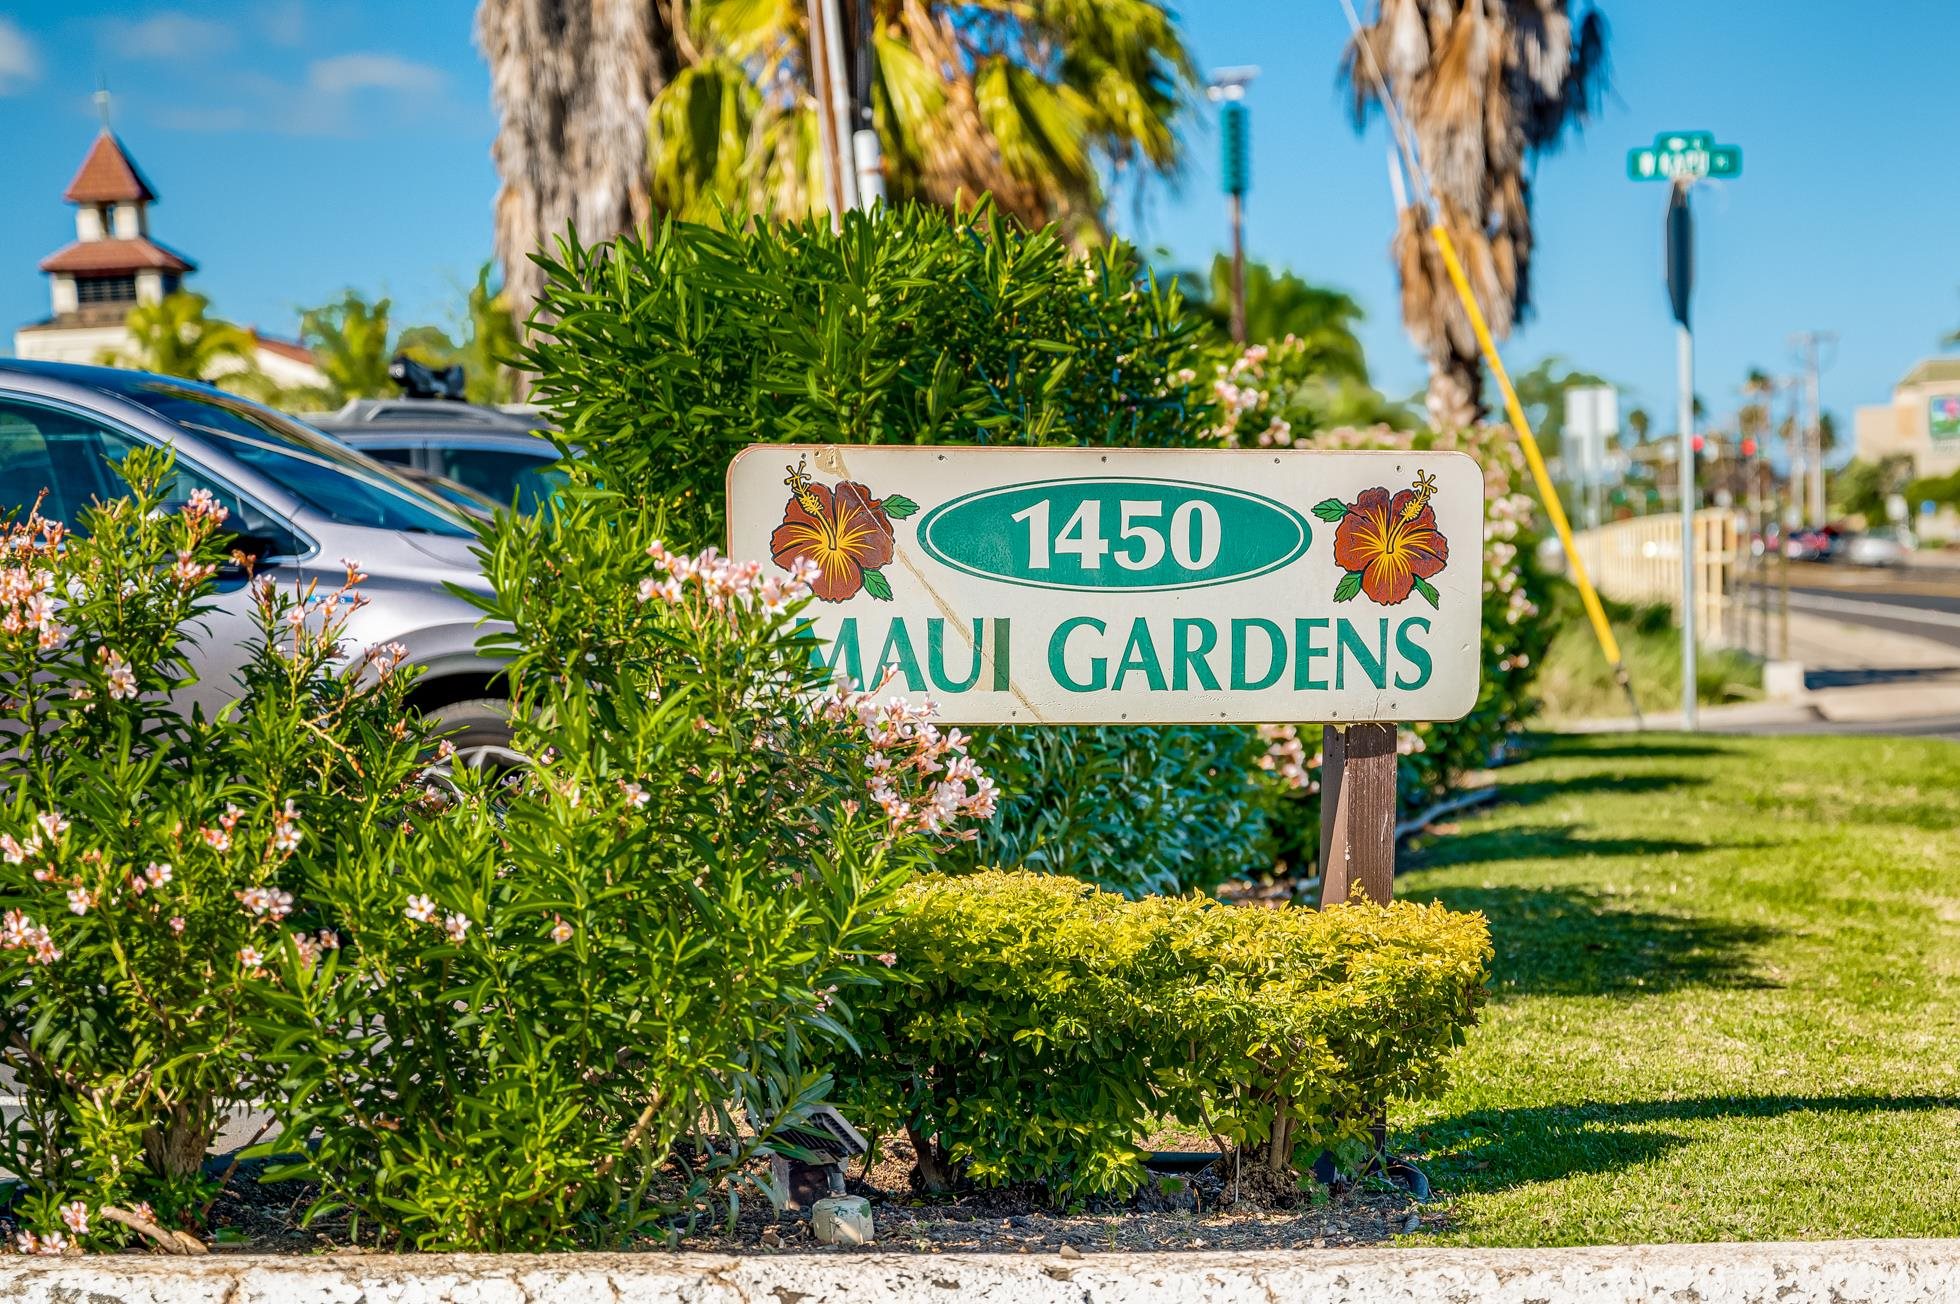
pixel 298 500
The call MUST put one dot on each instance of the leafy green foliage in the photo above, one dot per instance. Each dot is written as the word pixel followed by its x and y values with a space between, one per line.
pixel 177 336
pixel 1173 810
pixel 1034 104
pixel 152 859
pixel 659 359
pixel 579 1003
pixel 1044 1026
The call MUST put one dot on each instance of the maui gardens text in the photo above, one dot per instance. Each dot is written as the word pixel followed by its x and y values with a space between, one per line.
pixel 1086 585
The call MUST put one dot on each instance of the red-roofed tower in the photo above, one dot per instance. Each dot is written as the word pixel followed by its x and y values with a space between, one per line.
pixel 113 265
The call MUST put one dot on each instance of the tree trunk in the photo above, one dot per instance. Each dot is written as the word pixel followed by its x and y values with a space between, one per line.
pixel 1456 384
pixel 572 81
pixel 934 1172
pixel 177 1145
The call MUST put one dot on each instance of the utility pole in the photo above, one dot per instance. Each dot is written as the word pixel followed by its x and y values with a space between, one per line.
pixel 1811 481
pixel 827 126
pixel 1227 90
pixel 1680 287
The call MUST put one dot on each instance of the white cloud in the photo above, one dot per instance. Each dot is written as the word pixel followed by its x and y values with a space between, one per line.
pixel 283 22
pixel 341 95
pixel 346 73
pixel 20 63
pixel 168 34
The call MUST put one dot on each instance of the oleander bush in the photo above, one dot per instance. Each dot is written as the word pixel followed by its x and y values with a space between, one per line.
pixel 153 859
pixel 1037 1028
pixel 575 1005
pixel 661 356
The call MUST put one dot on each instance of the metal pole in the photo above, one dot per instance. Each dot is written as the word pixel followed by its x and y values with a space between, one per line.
pixel 1684 340
pixel 826 129
pixel 1815 489
pixel 1235 209
pixel 840 101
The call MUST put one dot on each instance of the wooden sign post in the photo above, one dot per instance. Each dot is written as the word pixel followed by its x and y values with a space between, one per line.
pixel 1357 812
pixel 1146 586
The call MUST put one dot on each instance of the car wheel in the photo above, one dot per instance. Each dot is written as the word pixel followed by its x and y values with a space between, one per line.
pixel 479 730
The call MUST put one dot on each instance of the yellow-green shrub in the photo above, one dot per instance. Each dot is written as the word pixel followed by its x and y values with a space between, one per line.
pixel 1039 1026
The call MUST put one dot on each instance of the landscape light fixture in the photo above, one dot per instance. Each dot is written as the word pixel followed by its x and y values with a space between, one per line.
pixel 1227 90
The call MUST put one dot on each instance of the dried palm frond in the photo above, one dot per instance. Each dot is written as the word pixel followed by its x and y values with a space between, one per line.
pixel 1485 86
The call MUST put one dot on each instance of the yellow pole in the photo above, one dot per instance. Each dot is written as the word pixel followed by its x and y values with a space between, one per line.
pixel 1536 461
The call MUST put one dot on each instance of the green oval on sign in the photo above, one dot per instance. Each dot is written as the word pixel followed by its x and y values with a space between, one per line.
pixel 1114 533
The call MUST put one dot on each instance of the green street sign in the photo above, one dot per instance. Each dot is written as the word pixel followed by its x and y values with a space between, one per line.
pixel 1684 155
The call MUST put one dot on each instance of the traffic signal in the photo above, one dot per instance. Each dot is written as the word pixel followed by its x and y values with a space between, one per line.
pixel 1235 148
pixel 1698 444
pixel 1748 448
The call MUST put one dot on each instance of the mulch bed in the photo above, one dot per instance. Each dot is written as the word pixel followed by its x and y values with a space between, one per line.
pixel 1182 1212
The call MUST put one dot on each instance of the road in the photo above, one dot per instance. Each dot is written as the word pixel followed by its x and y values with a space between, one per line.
pixel 1911 686
pixel 1922 602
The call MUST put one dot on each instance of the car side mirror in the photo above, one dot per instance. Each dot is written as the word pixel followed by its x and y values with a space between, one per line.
pixel 255 546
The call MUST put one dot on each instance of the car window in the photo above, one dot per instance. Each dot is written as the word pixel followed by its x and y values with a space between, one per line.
pixel 392 456
pixel 533 479
pixel 327 476
pixel 68 462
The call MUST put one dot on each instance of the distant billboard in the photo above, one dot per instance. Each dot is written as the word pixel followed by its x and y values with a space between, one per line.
pixel 1943 416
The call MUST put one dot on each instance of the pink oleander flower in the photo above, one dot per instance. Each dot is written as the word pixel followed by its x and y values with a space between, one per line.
pixel 156 875
pixel 560 930
pixel 888 959
pixel 421 909
pixel 636 796
pixel 252 958
pixel 122 680
pixel 52 824
pixel 75 1215
pixel 79 900
pixel 204 506
pixel 457 926
pixel 177 924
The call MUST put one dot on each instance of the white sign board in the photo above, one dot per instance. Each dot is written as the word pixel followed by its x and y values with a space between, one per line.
pixel 1082 585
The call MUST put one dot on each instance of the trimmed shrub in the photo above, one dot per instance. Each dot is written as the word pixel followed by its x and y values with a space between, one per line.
pixel 1042 1026
pixel 661 357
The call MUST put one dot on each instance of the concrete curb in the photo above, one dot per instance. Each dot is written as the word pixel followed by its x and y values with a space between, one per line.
pixel 1840 1272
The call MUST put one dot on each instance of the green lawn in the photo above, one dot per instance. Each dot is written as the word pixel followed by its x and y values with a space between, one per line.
pixel 1726 999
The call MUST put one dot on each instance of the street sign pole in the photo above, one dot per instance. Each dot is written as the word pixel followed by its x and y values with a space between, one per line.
pixel 1680 287
pixel 1681 158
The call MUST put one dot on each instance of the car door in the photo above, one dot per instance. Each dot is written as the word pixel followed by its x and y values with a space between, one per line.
pixel 64 460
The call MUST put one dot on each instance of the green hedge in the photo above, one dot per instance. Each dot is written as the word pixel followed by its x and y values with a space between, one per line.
pixel 1040 1027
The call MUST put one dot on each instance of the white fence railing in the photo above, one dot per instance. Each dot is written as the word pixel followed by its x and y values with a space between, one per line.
pixel 1639 560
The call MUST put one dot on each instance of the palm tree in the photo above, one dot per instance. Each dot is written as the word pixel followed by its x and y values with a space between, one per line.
pixel 351 346
pixel 572 81
pixel 1281 304
pixel 176 336
pixel 1032 101
pixel 1485 87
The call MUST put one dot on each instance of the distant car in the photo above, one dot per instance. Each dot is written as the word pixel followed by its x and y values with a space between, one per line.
pixel 1881 547
pixel 496 453
pixel 297 501
pixel 1811 545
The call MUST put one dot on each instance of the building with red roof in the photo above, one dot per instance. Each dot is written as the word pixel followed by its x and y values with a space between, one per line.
pixel 113 266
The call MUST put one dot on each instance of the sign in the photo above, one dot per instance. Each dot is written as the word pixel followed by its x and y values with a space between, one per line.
pixel 1082 585
pixel 1943 416
pixel 1592 418
pixel 1684 156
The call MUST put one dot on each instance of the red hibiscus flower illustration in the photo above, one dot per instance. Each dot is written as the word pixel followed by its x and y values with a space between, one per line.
pixel 1389 547
pixel 844 531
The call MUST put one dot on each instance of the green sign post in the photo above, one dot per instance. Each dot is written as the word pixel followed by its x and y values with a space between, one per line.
pixel 1684 156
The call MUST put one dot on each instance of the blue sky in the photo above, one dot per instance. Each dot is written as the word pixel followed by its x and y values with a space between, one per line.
pixel 305 145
